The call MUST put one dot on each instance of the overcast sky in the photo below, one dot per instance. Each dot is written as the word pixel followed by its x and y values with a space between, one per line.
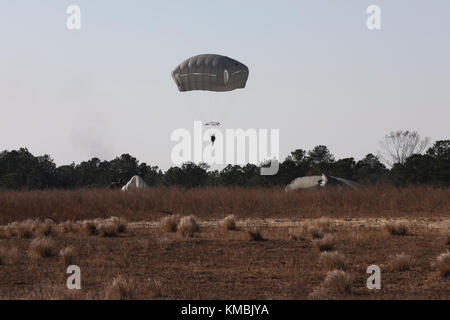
pixel 316 73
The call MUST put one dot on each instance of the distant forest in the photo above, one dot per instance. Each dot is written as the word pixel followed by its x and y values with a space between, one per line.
pixel 21 170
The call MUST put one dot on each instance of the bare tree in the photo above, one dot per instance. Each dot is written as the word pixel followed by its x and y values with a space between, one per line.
pixel 401 144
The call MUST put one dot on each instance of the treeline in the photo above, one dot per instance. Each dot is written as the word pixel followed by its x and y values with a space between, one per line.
pixel 19 169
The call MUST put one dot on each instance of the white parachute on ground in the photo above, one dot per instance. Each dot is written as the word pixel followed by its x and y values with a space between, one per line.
pixel 317 182
pixel 135 183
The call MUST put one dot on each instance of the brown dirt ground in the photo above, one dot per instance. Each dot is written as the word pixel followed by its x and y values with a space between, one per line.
pixel 218 264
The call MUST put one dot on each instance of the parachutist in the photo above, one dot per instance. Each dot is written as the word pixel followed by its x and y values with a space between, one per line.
pixel 213 138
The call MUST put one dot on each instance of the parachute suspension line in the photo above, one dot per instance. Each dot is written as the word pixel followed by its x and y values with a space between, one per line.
pixel 213 73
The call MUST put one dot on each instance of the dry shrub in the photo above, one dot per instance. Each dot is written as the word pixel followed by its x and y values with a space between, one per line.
pixel 337 281
pixel 25 229
pixel 42 247
pixel 67 227
pixel 442 263
pixel 170 223
pixel 9 231
pixel 255 235
pixel 376 201
pixel 111 227
pixel 21 230
pixel 229 223
pixel 121 289
pixel 107 230
pixel 305 232
pixel 46 228
pixel 332 260
pixel 120 224
pixel 327 243
pixel 296 234
pixel 312 230
pixel 400 262
pixel 89 227
pixel 68 255
pixel 187 226
pixel 3 232
pixel 396 228
pixel 8 255
pixel 28 229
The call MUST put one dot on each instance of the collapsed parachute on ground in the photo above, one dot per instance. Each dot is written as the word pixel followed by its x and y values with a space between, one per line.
pixel 210 72
pixel 135 183
pixel 317 182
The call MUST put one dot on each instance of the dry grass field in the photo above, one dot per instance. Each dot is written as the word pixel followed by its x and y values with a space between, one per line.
pixel 220 243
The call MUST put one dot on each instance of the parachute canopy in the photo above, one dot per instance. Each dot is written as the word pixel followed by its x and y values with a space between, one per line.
pixel 210 72
pixel 212 124
pixel 317 182
pixel 135 182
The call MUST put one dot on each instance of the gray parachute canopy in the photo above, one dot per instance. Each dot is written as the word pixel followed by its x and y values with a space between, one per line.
pixel 210 72
pixel 317 182
pixel 307 182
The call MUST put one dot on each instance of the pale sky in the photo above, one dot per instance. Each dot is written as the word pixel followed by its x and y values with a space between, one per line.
pixel 316 73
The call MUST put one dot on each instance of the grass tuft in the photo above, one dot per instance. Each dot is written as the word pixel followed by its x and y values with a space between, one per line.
pixel 68 255
pixel 187 226
pixel 229 223
pixel 46 228
pixel 121 289
pixel 338 281
pixel 332 260
pixel 170 223
pixel 255 235
pixel 42 247
pixel 400 262
pixel 66 227
pixel 335 282
pixel 312 230
pixel 327 243
pixel 89 228
pixel 107 229
pixel 443 264
pixel 397 228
